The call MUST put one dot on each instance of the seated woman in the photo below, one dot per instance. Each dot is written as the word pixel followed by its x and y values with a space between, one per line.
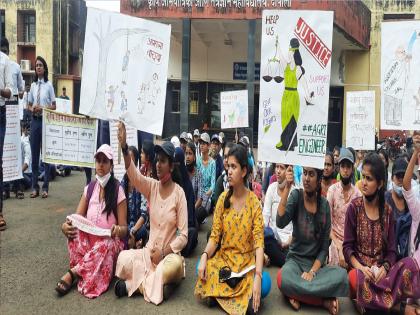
pixel 304 277
pixel 238 229
pixel 189 195
pixel 149 269
pixel 92 257
pixel 138 213
pixel 377 281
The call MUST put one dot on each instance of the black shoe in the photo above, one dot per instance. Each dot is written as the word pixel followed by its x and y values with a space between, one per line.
pixel 6 195
pixel 168 289
pixel 120 288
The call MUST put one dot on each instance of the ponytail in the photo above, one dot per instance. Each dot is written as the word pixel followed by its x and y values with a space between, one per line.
pixel 382 214
pixel 111 196
pixel 229 194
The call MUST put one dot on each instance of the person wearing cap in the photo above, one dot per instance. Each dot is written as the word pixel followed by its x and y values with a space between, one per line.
pixel 215 147
pixel 207 167
pixel 92 257
pixel 183 138
pixel 159 265
pixel 339 196
pixel 395 199
pixel 196 141
pixel 175 141
pixel 356 173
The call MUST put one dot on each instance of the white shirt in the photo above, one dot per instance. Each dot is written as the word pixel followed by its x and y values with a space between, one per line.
pixel 26 153
pixel 5 76
pixel 16 77
pixel 271 203
pixel 47 95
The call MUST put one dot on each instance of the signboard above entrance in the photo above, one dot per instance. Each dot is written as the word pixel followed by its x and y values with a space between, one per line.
pixel 238 4
pixel 240 71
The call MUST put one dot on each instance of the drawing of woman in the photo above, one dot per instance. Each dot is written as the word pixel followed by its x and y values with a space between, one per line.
pixel 290 103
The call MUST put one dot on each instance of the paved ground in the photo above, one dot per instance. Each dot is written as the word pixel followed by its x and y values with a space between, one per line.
pixel 33 257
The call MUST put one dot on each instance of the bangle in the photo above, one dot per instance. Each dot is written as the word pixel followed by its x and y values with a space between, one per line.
pixel 124 149
pixel 207 254
pixel 312 272
pixel 386 266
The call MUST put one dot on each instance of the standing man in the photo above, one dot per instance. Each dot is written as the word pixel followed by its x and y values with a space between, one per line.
pixel 64 94
pixel 14 68
pixel 6 85
pixel 339 196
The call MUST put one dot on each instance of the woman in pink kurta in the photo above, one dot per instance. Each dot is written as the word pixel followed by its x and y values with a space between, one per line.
pixel 103 205
pixel 147 270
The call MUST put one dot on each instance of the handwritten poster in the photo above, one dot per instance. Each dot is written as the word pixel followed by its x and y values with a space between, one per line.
pixel 68 139
pixel 294 86
pixel 119 166
pixel 400 79
pixel 63 106
pixel 234 109
pixel 360 116
pixel 12 151
pixel 126 61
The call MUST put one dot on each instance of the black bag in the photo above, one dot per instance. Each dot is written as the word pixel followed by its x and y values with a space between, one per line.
pixel 224 277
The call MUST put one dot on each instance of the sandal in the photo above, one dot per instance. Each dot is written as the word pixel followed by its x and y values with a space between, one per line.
pixel 20 195
pixel 63 287
pixel 2 223
pixel 294 303
pixel 44 194
pixel 34 194
pixel 332 306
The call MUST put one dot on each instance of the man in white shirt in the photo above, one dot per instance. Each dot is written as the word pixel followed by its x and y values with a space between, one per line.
pixel 276 241
pixel 14 68
pixel 6 85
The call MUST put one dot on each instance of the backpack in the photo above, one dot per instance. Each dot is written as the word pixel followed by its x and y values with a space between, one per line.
pixel 402 234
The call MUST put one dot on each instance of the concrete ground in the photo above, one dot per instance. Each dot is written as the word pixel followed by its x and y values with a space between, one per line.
pixel 33 257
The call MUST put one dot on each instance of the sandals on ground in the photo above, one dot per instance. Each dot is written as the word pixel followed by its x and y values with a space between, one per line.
pixel 2 223
pixel 44 194
pixel 34 194
pixel 63 287
pixel 20 195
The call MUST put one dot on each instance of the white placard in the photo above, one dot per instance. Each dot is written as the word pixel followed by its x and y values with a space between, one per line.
pixel 119 166
pixel 68 139
pixel 86 226
pixel 234 109
pixel 126 61
pixel 360 117
pixel 294 86
pixel 63 106
pixel 400 78
pixel 12 150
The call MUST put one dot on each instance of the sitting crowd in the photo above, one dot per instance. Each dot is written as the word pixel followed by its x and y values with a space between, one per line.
pixel 336 232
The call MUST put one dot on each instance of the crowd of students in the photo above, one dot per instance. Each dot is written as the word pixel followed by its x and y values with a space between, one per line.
pixel 332 234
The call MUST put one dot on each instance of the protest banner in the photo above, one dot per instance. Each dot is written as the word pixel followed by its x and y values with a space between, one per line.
pixel 360 117
pixel 234 109
pixel 12 151
pixel 126 61
pixel 400 83
pixel 119 166
pixel 68 139
pixel 294 86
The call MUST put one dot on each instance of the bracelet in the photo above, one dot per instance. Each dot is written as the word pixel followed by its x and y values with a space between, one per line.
pixel 312 272
pixel 124 149
pixel 207 254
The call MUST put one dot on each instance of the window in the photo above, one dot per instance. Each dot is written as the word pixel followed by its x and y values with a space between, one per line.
pixel 175 101
pixel 26 27
pixel 194 102
pixel 3 24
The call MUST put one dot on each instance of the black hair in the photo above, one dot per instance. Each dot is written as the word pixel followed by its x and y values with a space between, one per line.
pixel 336 148
pixel 294 43
pixel 45 69
pixel 126 179
pixel 240 154
pixel 330 154
pixel 111 195
pixel 149 150
pixel 176 173
pixel 377 168
pixel 228 145
pixel 4 43
pixel 386 156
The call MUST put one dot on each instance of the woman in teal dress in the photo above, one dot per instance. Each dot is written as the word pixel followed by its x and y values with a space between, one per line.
pixel 290 102
pixel 305 276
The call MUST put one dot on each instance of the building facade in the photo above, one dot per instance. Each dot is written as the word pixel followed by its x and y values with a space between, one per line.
pixel 53 29
pixel 216 46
